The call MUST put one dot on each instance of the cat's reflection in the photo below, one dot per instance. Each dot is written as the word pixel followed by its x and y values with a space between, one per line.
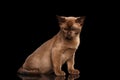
pixel 49 77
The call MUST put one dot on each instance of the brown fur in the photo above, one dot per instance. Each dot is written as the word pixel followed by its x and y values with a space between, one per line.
pixel 55 52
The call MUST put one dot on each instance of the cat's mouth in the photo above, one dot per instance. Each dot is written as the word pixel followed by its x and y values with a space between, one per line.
pixel 69 38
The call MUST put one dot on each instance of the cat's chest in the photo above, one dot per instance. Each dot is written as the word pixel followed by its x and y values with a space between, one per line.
pixel 72 44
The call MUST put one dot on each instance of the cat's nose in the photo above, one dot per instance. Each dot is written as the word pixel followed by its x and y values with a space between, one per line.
pixel 69 33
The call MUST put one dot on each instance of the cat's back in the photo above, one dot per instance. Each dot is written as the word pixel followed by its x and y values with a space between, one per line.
pixel 46 46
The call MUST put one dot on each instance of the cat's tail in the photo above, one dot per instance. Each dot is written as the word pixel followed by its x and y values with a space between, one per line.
pixel 23 71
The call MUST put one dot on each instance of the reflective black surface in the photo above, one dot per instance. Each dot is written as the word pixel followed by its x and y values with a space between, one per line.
pixel 49 77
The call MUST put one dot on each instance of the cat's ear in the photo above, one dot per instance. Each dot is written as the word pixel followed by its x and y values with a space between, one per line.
pixel 61 19
pixel 80 19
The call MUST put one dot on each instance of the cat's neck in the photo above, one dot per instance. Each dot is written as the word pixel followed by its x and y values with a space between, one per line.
pixel 74 43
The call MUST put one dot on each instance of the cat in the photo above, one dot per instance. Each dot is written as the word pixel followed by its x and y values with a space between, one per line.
pixel 60 49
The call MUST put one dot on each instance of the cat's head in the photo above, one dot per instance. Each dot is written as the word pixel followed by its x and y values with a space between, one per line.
pixel 70 26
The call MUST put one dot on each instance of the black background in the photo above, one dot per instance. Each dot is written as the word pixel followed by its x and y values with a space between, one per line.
pixel 28 26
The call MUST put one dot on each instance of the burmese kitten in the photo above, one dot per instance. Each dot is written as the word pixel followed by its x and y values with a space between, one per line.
pixel 51 55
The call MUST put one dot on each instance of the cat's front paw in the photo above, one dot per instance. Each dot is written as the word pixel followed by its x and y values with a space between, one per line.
pixel 60 73
pixel 74 71
pixel 73 76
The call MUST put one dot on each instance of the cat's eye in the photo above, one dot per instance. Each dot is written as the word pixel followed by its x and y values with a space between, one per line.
pixel 73 29
pixel 65 28
pixel 76 33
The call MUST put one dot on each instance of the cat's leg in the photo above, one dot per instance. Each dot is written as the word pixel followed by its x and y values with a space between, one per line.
pixel 57 62
pixel 70 65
